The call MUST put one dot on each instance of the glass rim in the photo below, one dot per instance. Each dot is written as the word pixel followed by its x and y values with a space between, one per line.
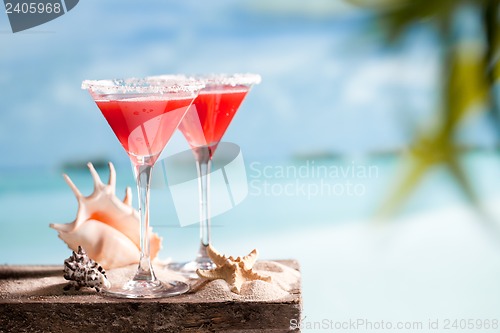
pixel 141 86
pixel 211 79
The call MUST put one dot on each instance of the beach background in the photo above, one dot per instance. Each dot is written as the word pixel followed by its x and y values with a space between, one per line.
pixel 334 96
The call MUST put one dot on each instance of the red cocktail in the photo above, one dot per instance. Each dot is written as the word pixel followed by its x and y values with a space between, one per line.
pixel 143 117
pixel 204 126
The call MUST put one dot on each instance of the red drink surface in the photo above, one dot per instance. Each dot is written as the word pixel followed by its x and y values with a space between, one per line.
pixel 211 113
pixel 143 125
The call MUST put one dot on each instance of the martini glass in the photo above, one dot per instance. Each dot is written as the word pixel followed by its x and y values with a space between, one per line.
pixel 203 126
pixel 143 117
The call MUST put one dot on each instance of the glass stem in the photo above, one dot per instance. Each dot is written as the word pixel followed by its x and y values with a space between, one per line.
pixel 203 164
pixel 143 177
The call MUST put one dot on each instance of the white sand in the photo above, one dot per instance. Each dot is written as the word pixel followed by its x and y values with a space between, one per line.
pixel 283 280
pixel 50 283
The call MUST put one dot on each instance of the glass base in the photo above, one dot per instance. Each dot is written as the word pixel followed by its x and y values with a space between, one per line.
pixel 147 289
pixel 188 269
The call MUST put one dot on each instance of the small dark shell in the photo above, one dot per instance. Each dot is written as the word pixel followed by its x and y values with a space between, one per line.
pixel 82 271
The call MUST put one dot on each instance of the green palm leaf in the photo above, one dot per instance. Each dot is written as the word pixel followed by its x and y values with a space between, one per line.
pixel 469 75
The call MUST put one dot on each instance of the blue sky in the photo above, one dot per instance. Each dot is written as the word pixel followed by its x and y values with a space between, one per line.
pixel 328 83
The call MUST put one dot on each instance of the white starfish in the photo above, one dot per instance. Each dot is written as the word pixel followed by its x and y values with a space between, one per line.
pixel 235 271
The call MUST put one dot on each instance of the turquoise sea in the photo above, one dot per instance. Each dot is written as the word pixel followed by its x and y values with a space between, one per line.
pixel 282 196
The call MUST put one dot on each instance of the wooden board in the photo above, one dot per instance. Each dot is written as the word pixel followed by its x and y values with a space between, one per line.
pixel 32 300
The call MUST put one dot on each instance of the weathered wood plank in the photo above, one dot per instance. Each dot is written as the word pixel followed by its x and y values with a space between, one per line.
pixel 32 300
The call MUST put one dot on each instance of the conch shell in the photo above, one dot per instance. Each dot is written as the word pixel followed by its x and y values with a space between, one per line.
pixel 106 227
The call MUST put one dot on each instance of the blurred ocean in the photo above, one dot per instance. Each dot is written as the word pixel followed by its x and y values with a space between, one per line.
pixel 283 196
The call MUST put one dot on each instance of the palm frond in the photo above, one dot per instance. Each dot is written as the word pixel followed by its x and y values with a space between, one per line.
pixel 466 88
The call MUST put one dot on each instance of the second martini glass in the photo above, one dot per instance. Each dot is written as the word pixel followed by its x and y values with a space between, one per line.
pixel 203 126
pixel 143 117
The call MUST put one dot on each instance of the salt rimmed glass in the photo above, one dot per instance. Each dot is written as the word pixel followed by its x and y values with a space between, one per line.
pixel 143 115
pixel 203 127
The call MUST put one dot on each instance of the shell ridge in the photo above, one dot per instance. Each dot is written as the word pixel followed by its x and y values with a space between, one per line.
pixel 72 185
pixel 112 175
pixel 98 184
pixel 128 197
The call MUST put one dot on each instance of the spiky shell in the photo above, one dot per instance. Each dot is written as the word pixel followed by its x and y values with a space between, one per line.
pixel 108 228
pixel 82 271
